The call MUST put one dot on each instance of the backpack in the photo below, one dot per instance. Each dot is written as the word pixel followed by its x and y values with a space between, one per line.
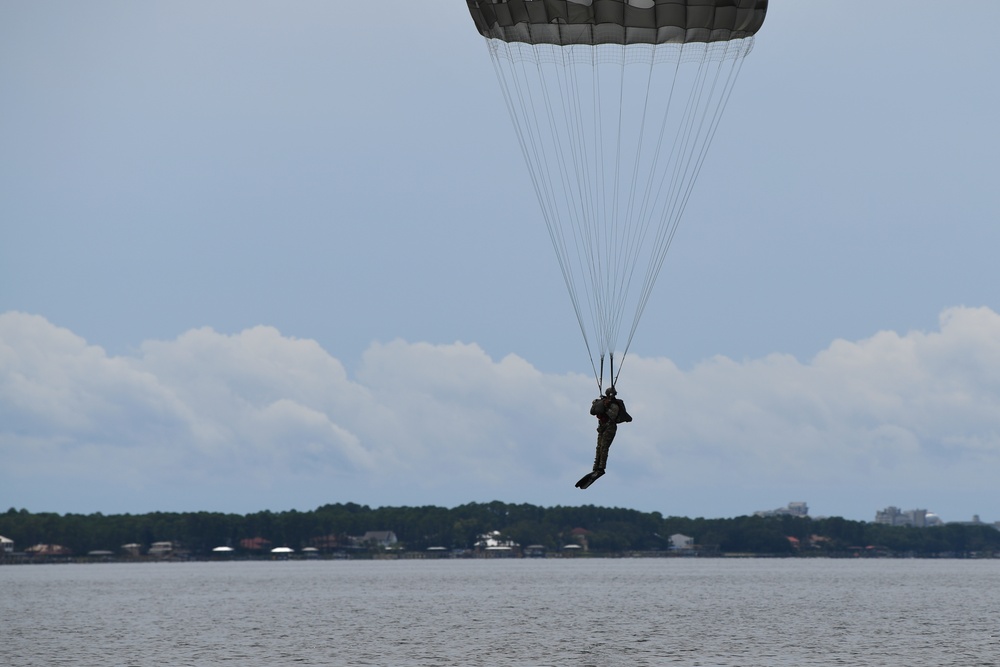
pixel 623 415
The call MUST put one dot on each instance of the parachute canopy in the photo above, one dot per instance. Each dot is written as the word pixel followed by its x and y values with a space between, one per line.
pixel 593 22
pixel 614 104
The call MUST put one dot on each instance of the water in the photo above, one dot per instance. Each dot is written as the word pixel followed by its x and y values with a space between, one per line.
pixel 581 612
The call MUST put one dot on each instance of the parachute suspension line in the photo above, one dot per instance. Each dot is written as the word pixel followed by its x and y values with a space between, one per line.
pixel 612 242
pixel 604 211
pixel 679 200
pixel 727 89
pixel 584 199
pixel 686 145
pixel 635 229
pixel 676 171
pixel 515 98
pixel 646 213
pixel 600 189
pixel 602 230
pixel 586 227
pixel 615 295
pixel 575 172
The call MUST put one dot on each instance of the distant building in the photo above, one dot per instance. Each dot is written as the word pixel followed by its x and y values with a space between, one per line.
pixel 371 540
pixel 6 545
pixel 132 548
pixel 534 551
pixel 255 544
pixel 494 544
pixel 680 542
pixel 386 538
pixel 792 509
pixel 48 550
pixel 161 549
pixel 919 518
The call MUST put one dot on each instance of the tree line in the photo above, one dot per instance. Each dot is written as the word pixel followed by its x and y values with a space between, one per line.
pixel 600 530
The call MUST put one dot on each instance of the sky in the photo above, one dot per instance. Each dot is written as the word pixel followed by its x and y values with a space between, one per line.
pixel 260 255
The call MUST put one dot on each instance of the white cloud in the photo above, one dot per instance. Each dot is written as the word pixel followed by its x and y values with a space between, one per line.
pixel 259 415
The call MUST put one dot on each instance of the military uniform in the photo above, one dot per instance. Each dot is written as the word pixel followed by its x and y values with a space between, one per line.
pixel 610 411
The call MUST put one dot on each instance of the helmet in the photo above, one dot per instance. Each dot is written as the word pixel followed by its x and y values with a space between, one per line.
pixel 610 391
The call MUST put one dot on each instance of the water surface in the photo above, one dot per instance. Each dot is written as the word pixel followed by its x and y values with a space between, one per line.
pixel 533 612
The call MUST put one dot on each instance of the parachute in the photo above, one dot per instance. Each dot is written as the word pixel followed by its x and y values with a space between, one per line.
pixel 614 104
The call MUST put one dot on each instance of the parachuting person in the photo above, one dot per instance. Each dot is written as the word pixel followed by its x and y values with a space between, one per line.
pixel 614 104
pixel 610 411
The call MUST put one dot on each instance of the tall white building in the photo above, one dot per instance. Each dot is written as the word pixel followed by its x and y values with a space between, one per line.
pixel 893 516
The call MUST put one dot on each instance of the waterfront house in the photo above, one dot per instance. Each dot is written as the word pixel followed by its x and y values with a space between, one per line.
pixel 679 542
pixel 48 550
pixel 493 544
pixel 255 544
pixel 161 549
pixel 380 538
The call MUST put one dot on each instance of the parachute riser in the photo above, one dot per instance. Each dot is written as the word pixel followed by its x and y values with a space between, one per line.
pixel 611 372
